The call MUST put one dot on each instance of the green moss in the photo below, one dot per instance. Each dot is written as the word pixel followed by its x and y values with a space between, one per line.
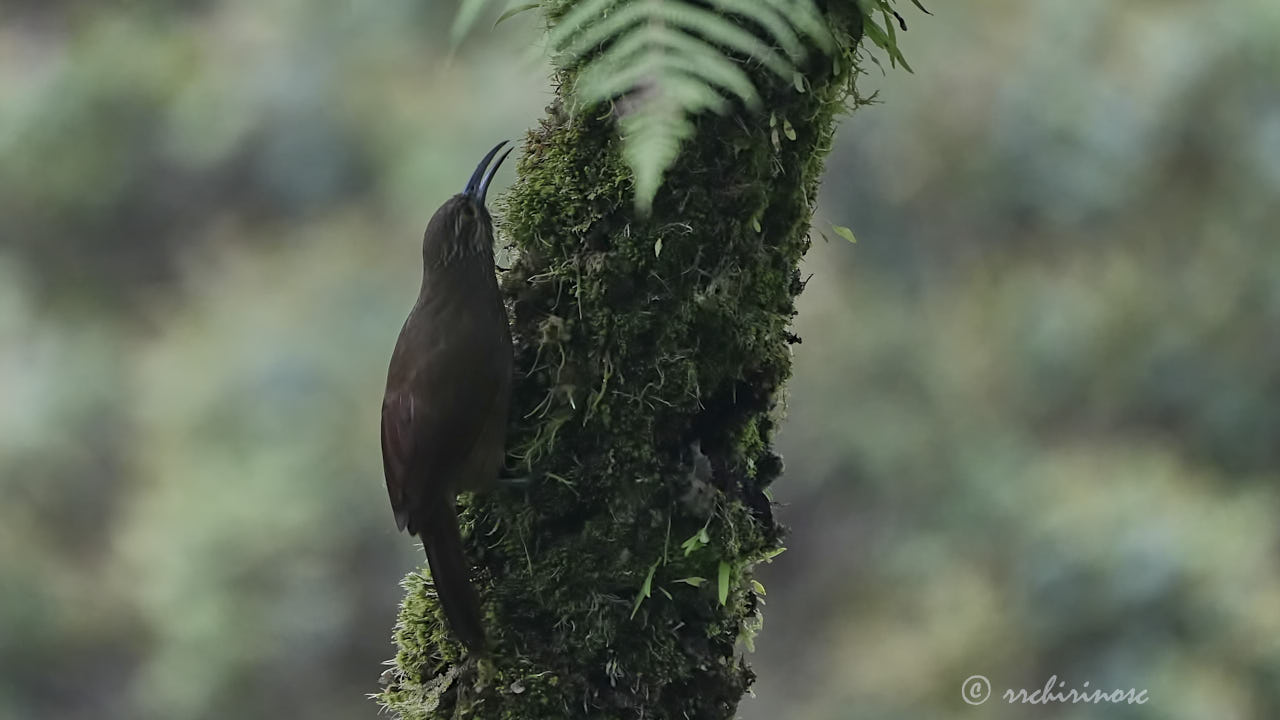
pixel 652 355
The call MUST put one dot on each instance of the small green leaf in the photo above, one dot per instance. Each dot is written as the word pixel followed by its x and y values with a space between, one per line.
pixel 513 11
pixel 693 581
pixel 885 40
pixel 657 247
pixel 787 130
pixel 722 589
pixel 797 80
pixel 758 587
pixel 646 588
pixel 773 554
pixel 844 232
pixel 755 225
pixel 698 541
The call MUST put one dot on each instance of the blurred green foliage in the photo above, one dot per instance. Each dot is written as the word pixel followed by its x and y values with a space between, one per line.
pixel 208 238
pixel 1035 423
pixel 1034 428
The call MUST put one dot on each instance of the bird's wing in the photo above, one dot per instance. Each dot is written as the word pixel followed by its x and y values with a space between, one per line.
pixel 426 439
pixel 397 450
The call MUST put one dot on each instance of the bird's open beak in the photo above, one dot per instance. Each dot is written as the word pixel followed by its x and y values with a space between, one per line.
pixel 478 186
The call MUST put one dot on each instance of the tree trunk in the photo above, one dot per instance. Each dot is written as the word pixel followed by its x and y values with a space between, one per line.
pixel 650 355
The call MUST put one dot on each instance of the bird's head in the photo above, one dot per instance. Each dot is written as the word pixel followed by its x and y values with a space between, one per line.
pixel 462 226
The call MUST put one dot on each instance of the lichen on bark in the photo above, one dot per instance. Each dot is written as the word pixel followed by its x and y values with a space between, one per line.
pixel 650 355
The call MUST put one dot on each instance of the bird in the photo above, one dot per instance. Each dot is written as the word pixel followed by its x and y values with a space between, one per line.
pixel 444 412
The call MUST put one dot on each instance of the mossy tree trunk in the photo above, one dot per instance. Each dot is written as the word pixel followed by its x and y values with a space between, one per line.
pixel 650 355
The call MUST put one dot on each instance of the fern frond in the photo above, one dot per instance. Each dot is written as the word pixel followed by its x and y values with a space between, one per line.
pixel 652 140
pixel 665 61
pixel 668 60
pixel 653 50
pixel 806 19
pixel 574 43
pixel 774 23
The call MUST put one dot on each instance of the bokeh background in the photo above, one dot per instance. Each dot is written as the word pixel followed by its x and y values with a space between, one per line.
pixel 1034 428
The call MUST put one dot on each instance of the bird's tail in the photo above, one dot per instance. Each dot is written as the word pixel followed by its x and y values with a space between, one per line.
pixel 451 573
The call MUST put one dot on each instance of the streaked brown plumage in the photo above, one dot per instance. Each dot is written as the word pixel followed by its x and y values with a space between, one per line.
pixel 444 414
